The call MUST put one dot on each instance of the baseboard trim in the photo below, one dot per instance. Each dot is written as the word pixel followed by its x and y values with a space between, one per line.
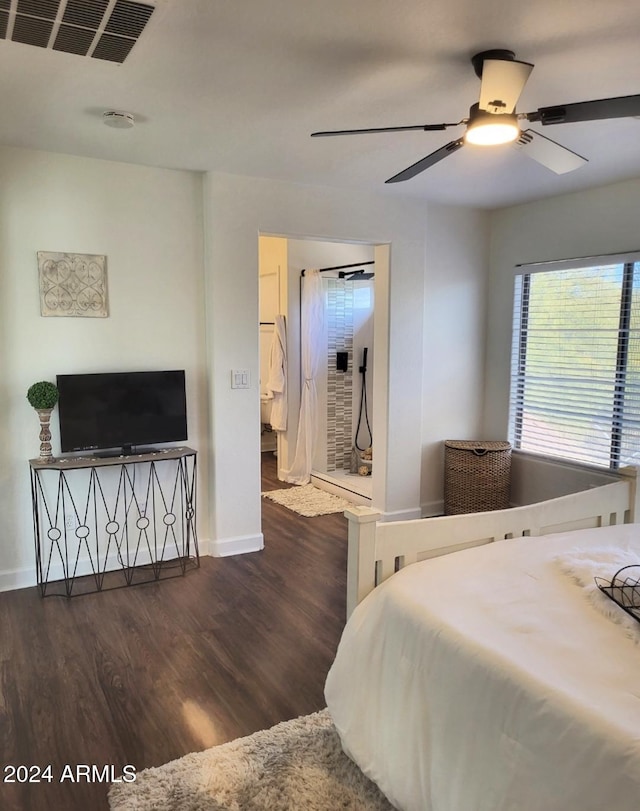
pixel 13 579
pixel 17 579
pixel 240 545
pixel 204 547
pixel 402 515
pixel 433 508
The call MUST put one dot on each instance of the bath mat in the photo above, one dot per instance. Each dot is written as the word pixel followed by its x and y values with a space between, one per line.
pixel 308 500
pixel 295 765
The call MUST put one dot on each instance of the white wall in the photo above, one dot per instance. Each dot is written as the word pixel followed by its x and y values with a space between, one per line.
pixel 148 222
pixel 589 223
pixel 455 300
pixel 424 243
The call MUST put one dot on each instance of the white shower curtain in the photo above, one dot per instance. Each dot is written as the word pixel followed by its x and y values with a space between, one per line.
pixel 312 352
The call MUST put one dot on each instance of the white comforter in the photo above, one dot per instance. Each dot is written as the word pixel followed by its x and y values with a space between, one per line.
pixel 489 680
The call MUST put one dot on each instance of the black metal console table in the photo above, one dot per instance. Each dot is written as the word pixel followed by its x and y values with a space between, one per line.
pixel 108 522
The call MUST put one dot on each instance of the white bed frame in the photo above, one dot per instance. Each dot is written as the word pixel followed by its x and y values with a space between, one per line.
pixel 377 549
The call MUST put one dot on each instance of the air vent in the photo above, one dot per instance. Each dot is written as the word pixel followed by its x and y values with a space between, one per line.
pixel 102 29
pixel 39 8
pixel 128 19
pixel 32 31
pixel 85 13
pixel 73 40
pixel 115 49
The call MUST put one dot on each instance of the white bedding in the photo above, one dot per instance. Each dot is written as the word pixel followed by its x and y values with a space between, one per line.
pixel 488 680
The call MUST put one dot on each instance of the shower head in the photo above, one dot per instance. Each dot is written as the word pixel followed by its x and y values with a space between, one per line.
pixel 351 274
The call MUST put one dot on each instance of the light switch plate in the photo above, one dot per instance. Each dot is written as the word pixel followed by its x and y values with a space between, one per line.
pixel 240 379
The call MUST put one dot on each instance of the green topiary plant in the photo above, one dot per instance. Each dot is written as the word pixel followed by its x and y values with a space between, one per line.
pixel 43 394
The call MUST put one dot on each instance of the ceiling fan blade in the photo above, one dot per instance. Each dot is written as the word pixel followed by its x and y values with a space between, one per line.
pixel 621 107
pixel 502 83
pixel 425 163
pixel 424 127
pixel 547 152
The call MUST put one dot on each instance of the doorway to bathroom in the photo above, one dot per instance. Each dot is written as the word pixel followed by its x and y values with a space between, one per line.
pixel 343 457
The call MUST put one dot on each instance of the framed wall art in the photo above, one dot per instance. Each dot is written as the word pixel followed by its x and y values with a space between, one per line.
pixel 73 284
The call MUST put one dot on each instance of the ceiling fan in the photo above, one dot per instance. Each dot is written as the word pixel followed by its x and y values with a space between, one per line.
pixel 493 119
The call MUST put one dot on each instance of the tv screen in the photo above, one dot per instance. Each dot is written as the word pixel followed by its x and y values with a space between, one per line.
pixel 121 410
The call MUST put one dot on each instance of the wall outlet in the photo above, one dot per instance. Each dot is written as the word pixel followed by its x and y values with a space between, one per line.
pixel 70 522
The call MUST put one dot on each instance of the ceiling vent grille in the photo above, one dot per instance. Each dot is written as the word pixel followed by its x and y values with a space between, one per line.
pixel 5 5
pixel 102 29
pixel 88 15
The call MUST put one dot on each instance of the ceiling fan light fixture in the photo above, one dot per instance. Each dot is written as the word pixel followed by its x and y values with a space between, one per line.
pixel 493 119
pixel 491 129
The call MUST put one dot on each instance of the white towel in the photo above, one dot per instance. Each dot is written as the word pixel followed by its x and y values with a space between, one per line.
pixel 277 379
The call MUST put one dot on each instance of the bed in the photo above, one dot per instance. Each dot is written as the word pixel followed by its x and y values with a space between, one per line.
pixel 493 679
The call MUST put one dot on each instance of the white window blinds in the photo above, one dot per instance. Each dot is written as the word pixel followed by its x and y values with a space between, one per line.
pixel 575 369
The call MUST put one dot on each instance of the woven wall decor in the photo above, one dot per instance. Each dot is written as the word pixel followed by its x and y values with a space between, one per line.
pixel 73 284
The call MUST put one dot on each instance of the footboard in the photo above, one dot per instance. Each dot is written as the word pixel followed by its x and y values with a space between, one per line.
pixel 377 549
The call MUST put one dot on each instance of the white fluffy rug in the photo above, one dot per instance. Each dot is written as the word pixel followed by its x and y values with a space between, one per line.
pixel 584 566
pixel 308 500
pixel 295 766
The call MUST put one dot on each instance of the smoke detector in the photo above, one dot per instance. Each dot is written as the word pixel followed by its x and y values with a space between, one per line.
pixel 119 120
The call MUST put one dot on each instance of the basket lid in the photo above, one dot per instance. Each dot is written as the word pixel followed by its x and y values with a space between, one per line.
pixel 476 445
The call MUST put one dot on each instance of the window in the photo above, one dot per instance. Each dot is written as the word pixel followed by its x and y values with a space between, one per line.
pixel 575 366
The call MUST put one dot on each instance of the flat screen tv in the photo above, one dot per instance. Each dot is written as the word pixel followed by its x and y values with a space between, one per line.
pixel 121 411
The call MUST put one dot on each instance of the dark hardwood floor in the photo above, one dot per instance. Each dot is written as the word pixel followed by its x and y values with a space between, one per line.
pixel 141 676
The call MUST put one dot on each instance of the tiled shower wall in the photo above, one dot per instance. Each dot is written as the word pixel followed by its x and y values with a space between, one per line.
pixel 339 384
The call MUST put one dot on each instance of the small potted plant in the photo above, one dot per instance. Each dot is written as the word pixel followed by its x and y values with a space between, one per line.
pixel 43 396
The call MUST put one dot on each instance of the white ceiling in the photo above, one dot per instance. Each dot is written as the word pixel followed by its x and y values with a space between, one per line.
pixel 238 85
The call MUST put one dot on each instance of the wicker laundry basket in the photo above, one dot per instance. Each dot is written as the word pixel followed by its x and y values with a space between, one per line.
pixel 477 476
